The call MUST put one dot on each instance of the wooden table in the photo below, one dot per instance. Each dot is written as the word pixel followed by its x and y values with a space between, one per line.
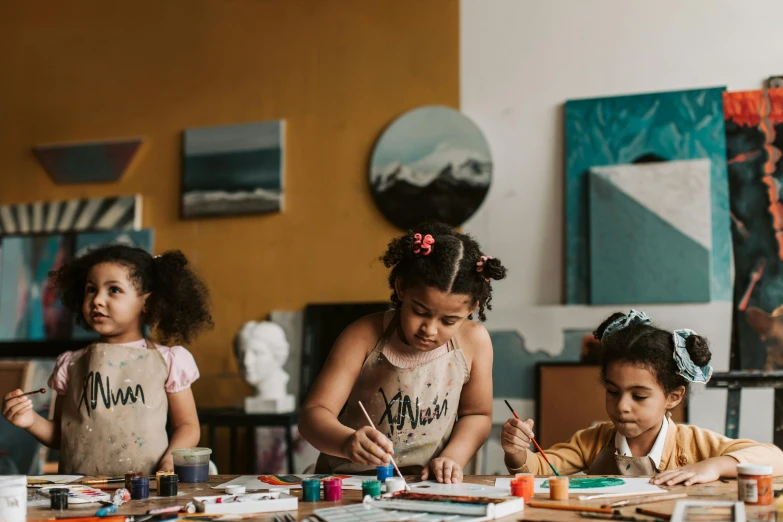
pixel 715 491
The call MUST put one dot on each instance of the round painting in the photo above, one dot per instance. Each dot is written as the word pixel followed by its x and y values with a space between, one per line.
pixel 431 163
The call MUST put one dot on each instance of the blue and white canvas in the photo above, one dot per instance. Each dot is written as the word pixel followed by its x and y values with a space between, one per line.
pixel 233 169
pixel 636 129
pixel 650 233
pixel 431 163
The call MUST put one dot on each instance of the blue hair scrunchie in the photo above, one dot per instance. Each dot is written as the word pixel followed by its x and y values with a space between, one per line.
pixel 633 318
pixel 687 368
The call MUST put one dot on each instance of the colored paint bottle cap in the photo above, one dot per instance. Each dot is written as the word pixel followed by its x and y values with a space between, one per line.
pixel 333 489
pixel 394 484
pixel 384 472
pixel 311 490
pixel 59 498
pixel 371 488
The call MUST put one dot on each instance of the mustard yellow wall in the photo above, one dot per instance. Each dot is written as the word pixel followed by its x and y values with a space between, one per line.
pixel 338 72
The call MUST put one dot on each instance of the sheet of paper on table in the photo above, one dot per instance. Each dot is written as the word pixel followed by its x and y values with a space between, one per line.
pixel 631 486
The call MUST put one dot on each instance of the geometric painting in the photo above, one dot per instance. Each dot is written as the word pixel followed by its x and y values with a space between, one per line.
pixel 90 240
pixel 431 163
pixel 233 169
pixel 754 139
pixel 87 162
pixel 29 307
pixel 641 129
pixel 79 215
pixel 650 233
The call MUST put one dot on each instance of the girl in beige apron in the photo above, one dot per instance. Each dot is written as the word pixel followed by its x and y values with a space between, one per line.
pixel 114 396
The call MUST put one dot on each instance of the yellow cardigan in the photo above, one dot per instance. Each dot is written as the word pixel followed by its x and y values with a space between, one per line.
pixel 684 445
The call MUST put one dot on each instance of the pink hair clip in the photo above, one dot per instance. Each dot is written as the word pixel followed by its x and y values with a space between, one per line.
pixel 480 266
pixel 423 245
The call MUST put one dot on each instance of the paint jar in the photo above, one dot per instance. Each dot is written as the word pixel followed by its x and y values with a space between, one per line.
pixel 58 498
pixel 394 484
pixel 140 488
pixel 129 477
pixel 157 478
pixel 384 472
pixel 333 489
pixel 754 484
pixel 558 488
pixel 371 488
pixel 311 490
pixel 192 464
pixel 523 486
pixel 168 485
pixel 13 498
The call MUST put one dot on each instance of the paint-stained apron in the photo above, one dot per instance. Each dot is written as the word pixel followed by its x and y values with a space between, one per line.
pixel 114 412
pixel 609 462
pixel 415 407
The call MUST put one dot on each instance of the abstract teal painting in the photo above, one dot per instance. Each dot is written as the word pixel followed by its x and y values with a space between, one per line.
pixel 637 129
pixel 233 169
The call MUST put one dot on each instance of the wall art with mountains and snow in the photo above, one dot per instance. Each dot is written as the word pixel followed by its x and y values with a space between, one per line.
pixel 432 162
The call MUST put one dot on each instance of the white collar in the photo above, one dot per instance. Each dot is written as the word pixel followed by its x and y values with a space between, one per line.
pixel 656 452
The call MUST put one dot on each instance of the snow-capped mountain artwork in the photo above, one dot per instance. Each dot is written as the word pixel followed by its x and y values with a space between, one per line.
pixel 444 175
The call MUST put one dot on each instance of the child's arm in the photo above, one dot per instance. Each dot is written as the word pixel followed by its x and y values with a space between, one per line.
pixel 318 422
pixel 474 414
pixel 184 421
pixel 19 412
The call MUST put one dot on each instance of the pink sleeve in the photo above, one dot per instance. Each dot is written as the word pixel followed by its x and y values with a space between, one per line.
pixel 183 370
pixel 59 379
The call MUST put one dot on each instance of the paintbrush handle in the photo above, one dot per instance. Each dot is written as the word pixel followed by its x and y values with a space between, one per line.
pixel 646 500
pixel 647 512
pixel 367 415
pixel 569 507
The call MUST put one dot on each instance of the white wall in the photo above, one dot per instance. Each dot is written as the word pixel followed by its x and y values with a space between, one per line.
pixel 522 59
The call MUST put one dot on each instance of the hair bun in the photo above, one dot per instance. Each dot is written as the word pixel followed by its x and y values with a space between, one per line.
pixel 172 258
pixel 698 350
pixel 494 269
pixel 599 332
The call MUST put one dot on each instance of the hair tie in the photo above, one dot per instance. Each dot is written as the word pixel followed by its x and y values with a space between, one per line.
pixel 480 266
pixel 422 245
pixel 685 365
pixel 633 318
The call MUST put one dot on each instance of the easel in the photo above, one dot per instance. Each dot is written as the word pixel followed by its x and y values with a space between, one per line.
pixel 734 382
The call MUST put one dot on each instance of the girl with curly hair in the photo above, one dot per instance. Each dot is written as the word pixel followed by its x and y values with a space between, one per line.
pixel 423 370
pixel 113 397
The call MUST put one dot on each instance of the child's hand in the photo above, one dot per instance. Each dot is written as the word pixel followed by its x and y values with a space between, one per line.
pixel 18 410
pixel 444 469
pixel 369 447
pixel 516 436
pixel 700 473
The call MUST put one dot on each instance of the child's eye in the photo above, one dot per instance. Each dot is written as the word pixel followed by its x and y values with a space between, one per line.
pixel 419 312
pixel 115 289
pixel 89 290
pixel 639 398
pixel 612 392
pixel 449 323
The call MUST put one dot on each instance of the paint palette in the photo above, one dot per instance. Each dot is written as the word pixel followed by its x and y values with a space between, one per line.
pixel 369 513
pixel 80 494
pixel 467 505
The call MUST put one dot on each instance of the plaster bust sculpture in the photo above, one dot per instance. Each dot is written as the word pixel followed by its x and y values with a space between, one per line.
pixel 261 349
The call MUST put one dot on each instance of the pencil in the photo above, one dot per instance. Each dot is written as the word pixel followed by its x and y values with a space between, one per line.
pixel 569 507
pixel 407 487
pixel 534 440
pixel 645 500
pixel 649 513
pixel 40 390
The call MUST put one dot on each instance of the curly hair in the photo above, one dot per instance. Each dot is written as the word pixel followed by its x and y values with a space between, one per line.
pixel 450 267
pixel 178 305
pixel 651 347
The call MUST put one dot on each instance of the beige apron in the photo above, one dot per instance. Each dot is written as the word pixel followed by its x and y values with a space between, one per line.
pixel 609 462
pixel 114 412
pixel 415 407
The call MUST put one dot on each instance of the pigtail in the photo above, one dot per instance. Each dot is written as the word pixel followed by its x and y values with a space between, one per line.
pixel 179 303
pixel 698 350
pixel 598 334
pixel 494 269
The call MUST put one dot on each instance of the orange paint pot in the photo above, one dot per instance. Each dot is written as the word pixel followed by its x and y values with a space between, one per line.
pixel 754 484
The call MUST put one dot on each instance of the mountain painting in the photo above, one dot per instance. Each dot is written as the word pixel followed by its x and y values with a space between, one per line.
pixel 233 169
pixel 431 163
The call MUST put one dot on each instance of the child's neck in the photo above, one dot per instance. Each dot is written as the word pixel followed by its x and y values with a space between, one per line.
pixel 643 443
pixel 123 338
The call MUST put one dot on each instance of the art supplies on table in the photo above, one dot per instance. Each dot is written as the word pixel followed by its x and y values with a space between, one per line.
pixel 13 498
pixel 288 482
pixel 79 493
pixel 462 489
pixel 706 510
pixel 626 486
pixel 618 517
pixel 489 507
pixel 247 503
pixel 645 500
pixel 42 480
pixel 370 513
pixel 569 507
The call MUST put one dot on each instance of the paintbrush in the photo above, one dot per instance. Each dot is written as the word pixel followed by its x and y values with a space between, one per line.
pixel 642 511
pixel 569 507
pixel 646 500
pixel 40 390
pixel 534 440
pixel 407 487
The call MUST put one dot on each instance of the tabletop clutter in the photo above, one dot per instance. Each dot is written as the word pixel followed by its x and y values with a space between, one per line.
pixel 385 497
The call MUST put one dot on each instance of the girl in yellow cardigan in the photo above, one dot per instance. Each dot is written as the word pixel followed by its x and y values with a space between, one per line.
pixel 646 372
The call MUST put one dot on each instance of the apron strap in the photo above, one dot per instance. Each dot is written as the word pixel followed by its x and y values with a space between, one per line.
pixel 383 339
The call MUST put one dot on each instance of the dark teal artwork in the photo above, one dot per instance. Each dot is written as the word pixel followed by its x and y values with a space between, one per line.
pixel 233 169
pixel 88 162
pixel 644 128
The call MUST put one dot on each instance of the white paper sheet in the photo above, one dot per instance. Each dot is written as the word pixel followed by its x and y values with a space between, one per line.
pixel 463 489
pixel 52 479
pixel 632 486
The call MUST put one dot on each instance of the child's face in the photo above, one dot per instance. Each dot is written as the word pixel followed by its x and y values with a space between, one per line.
pixel 112 303
pixel 429 317
pixel 635 401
